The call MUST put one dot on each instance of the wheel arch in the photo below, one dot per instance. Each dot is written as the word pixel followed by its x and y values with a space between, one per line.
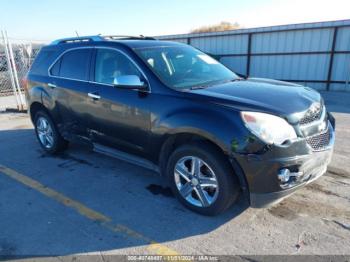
pixel 36 107
pixel 175 140
pixel 39 99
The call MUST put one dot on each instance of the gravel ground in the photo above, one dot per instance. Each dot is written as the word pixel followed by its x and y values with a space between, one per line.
pixel 315 220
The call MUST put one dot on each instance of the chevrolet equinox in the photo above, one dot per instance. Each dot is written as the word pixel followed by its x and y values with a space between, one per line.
pixel 172 108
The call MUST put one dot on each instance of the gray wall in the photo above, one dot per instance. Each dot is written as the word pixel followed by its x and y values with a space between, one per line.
pixel 313 54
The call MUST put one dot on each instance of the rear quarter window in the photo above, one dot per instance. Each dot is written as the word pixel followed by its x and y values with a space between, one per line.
pixel 43 61
pixel 55 69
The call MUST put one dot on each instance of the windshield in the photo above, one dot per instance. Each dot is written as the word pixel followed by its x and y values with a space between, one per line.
pixel 182 67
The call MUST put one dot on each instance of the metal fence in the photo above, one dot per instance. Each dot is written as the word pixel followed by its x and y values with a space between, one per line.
pixel 313 54
pixel 16 58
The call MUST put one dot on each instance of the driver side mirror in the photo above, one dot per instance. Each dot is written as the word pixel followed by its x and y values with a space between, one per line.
pixel 130 82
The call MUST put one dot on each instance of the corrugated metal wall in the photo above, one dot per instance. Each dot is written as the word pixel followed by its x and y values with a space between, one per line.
pixel 313 54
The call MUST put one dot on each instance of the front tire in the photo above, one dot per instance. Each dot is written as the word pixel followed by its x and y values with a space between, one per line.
pixel 202 179
pixel 47 134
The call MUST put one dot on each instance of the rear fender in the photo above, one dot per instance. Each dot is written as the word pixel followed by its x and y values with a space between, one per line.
pixel 38 94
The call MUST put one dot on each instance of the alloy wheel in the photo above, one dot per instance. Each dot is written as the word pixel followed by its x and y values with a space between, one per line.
pixel 45 132
pixel 196 181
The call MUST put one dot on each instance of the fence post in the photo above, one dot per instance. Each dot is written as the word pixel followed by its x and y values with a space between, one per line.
pixel 249 54
pixel 330 68
pixel 348 78
pixel 9 69
pixel 14 67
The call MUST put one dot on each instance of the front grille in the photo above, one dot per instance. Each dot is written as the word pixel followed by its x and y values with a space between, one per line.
pixel 320 141
pixel 312 115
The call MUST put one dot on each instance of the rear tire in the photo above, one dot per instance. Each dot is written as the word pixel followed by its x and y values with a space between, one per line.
pixel 47 134
pixel 210 189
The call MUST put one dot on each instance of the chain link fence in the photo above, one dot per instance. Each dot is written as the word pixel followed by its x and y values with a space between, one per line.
pixel 16 57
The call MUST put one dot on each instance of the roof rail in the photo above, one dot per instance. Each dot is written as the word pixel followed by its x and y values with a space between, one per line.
pixel 98 38
pixel 129 37
pixel 94 38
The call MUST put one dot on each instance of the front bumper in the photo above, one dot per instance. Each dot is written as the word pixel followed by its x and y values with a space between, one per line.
pixel 261 170
pixel 259 200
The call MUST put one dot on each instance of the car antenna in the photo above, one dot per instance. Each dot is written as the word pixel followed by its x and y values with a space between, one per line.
pixel 76 32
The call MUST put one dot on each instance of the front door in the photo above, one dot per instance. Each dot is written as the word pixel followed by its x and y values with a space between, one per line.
pixel 118 117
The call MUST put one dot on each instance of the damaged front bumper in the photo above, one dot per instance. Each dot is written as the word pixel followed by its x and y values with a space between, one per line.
pixel 282 170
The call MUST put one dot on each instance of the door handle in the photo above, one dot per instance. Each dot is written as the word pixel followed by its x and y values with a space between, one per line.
pixel 94 96
pixel 51 85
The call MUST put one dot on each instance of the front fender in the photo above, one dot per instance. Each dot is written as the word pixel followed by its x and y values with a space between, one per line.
pixel 222 127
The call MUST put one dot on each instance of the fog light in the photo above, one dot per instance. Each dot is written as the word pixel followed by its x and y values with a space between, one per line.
pixel 289 179
pixel 284 175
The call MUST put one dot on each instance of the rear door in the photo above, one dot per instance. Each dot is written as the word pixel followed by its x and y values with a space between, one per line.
pixel 70 81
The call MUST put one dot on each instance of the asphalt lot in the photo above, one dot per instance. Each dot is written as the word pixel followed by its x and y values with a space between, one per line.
pixel 81 202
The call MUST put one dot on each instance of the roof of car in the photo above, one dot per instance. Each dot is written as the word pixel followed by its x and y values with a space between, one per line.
pixel 134 42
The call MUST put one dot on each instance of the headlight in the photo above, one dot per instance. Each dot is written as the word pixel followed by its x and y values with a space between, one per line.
pixel 269 128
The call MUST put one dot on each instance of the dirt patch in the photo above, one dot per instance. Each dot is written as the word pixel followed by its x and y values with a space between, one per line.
pixel 336 172
pixel 283 210
pixel 292 208
pixel 318 188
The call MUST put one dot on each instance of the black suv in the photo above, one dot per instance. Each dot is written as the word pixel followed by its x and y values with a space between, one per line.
pixel 169 107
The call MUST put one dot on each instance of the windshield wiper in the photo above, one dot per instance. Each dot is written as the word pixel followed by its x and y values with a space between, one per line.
pixel 211 83
pixel 203 85
pixel 236 79
pixel 199 87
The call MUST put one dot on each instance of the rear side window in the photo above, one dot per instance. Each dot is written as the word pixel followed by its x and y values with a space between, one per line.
pixel 42 62
pixel 55 70
pixel 73 64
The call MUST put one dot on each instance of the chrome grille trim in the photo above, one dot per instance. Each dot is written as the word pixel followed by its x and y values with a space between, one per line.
pixel 320 141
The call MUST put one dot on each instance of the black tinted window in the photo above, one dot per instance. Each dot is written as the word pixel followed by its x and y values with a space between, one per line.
pixel 43 61
pixel 55 70
pixel 75 64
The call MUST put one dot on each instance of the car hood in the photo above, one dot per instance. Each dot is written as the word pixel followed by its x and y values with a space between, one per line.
pixel 266 95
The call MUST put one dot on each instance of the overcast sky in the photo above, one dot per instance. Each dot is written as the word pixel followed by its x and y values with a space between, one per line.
pixel 50 19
